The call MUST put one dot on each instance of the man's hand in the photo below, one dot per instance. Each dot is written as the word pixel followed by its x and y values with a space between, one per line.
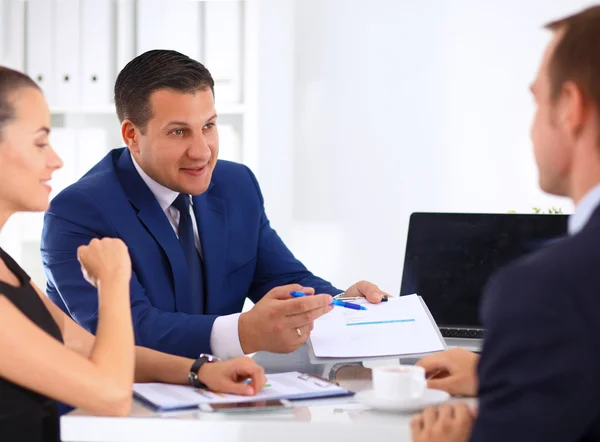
pixel 456 370
pixel 448 423
pixel 365 289
pixel 231 376
pixel 280 323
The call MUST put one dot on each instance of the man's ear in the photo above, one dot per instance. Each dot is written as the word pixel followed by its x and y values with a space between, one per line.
pixel 573 109
pixel 130 134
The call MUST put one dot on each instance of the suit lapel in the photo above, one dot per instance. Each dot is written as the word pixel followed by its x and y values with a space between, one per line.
pixel 156 222
pixel 211 216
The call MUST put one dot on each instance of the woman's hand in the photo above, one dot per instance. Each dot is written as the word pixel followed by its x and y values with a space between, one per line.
pixel 106 258
pixel 240 376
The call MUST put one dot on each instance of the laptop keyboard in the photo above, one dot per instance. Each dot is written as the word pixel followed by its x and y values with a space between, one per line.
pixel 461 333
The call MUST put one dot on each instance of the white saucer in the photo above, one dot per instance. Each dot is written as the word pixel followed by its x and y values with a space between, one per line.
pixel 430 398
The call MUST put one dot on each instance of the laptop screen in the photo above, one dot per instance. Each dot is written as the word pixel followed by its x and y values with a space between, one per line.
pixel 450 256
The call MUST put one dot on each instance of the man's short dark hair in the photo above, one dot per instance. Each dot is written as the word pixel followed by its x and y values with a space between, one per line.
pixel 576 56
pixel 152 71
pixel 10 82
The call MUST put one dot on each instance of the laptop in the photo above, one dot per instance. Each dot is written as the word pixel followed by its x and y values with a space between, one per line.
pixel 450 257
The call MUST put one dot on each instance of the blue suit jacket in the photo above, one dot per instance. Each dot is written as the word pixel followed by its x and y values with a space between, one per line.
pixel 539 370
pixel 243 255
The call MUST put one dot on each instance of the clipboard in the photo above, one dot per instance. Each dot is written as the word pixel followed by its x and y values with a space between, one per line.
pixel 322 360
pixel 290 386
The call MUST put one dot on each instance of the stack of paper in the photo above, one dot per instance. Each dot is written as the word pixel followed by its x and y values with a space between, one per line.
pixel 402 326
pixel 292 385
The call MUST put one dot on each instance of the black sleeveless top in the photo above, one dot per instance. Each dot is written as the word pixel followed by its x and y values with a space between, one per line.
pixel 25 415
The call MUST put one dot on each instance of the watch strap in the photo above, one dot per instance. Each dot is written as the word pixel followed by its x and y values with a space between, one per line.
pixel 193 375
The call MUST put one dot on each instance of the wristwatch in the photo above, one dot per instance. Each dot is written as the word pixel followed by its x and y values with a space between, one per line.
pixel 193 376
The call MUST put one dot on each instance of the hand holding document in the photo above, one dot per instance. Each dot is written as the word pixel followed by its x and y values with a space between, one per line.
pixel 401 326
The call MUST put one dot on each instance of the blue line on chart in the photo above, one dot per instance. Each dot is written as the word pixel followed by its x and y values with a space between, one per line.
pixel 380 322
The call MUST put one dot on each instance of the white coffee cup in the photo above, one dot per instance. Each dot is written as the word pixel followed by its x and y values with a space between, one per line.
pixel 399 382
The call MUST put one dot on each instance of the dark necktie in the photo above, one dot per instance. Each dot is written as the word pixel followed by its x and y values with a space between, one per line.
pixel 194 302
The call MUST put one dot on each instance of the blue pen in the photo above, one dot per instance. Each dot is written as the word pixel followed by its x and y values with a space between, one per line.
pixel 335 302
pixel 348 305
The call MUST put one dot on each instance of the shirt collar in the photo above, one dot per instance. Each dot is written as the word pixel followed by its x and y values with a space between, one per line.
pixel 584 210
pixel 163 195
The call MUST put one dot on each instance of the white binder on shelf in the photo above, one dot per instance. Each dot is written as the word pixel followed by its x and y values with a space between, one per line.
pixel 91 147
pixel 64 143
pixel 223 48
pixel 175 24
pixel 67 75
pixel 97 54
pixel 125 33
pixel 230 148
pixel 31 224
pixel 39 57
pixel 10 236
pixel 3 26
pixel 32 260
pixel 12 37
pixel 4 43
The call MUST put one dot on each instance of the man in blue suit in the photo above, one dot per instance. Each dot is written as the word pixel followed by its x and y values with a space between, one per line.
pixel 196 228
pixel 538 377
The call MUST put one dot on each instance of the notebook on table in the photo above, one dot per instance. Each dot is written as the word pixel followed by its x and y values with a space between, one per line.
pixel 292 386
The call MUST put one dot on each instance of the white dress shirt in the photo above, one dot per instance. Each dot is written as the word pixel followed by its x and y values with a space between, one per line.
pixel 224 337
pixel 584 210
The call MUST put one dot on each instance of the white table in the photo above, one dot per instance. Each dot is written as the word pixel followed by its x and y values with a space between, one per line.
pixel 341 419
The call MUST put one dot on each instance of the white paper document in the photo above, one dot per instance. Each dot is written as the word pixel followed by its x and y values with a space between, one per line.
pixel 292 385
pixel 401 326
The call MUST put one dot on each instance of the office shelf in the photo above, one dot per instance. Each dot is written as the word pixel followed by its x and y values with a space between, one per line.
pixel 109 109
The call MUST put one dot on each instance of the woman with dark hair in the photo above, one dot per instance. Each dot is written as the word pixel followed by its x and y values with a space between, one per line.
pixel 44 355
